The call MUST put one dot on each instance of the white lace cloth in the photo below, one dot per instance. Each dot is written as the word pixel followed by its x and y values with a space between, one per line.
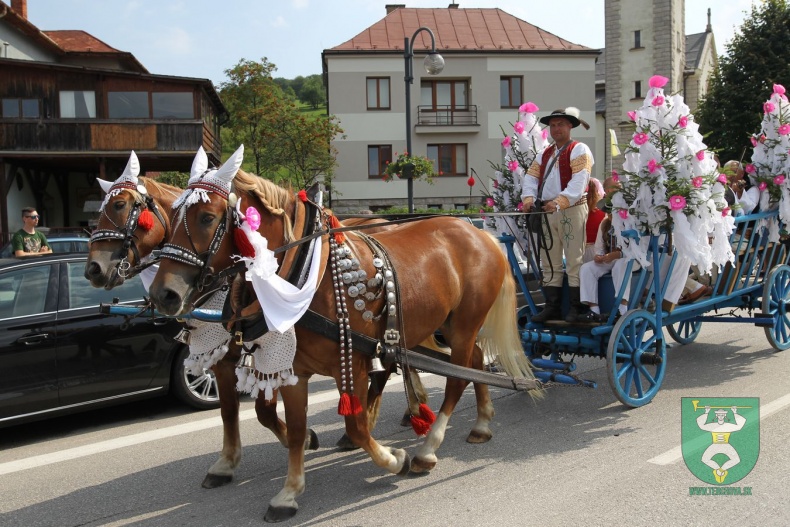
pixel 274 357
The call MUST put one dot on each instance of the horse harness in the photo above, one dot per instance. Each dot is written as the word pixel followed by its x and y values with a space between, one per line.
pixel 126 234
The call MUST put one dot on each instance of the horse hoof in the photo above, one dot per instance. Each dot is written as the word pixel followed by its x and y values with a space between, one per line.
pixel 312 442
pixel 212 481
pixel 418 466
pixel 479 437
pixel 279 514
pixel 406 466
pixel 345 443
pixel 406 420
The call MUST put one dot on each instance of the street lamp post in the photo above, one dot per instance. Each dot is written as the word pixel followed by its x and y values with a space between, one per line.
pixel 434 64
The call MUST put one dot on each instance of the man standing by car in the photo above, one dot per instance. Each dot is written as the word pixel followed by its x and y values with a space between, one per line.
pixel 28 241
pixel 556 185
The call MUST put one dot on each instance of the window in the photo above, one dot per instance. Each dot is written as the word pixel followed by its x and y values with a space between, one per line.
pixel 172 105
pixel 637 39
pixel 16 299
pixel 448 160
pixel 510 92
pixel 128 104
pixel 25 108
pixel 78 105
pixel 378 93
pixel 637 89
pixel 444 94
pixel 378 157
pixel 81 296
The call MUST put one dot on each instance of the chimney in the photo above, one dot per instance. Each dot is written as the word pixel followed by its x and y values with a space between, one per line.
pixel 393 7
pixel 453 6
pixel 20 7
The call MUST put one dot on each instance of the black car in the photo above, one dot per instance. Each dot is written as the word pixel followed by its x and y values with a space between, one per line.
pixel 59 355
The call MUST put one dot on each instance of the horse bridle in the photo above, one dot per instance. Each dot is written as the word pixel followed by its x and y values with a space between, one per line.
pixel 207 280
pixel 124 268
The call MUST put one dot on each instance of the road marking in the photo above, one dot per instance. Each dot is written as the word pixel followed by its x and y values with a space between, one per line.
pixel 676 454
pixel 137 439
pixel 147 516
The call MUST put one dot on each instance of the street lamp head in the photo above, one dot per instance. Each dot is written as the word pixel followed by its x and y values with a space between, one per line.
pixel 434 63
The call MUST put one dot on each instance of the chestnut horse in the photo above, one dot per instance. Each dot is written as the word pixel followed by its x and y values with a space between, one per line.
pixel 451 277
pixel 119 242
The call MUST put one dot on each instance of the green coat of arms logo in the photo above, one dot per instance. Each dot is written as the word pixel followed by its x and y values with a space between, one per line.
pixel 720 437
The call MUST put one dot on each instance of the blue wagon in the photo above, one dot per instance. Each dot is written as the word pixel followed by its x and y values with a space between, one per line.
pixel 754 289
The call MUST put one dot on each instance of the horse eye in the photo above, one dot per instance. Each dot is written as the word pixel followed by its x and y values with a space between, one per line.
pixel 207 219
pixel 120 204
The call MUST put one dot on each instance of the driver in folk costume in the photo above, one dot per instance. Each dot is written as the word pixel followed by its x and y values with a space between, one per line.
pixel 559 177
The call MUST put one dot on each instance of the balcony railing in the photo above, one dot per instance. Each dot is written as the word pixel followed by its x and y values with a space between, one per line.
pixel 447 115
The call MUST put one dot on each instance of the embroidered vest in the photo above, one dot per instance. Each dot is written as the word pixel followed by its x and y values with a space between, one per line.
pixel 564 163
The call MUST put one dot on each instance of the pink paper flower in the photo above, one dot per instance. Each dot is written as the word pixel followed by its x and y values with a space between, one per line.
pixel 749 168
pixel 753 140
pixel 768 107
pixel 512 165
pixel 520 206
pixel 658 100
pixel 528 107
pixel 725 211
pixel 615 176
pixel 496 184
pixel 657 81
pixel 653 165
pixel 506 142
pixel 762 138
pixel 632 115
pixel 677 202
pixel 518 127
pixel 701 155
pixel 779 179
pixel 762 186
pixel 696 181
pixel 622 213
pixel 784 129
pixel 544 133
pixel 722 179
pixel 683 121
pixel 253 218
pixel 641 138
pixel 778 88
pixel 489 202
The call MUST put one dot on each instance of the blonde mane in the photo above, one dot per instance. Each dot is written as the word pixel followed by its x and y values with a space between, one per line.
pixel 276 199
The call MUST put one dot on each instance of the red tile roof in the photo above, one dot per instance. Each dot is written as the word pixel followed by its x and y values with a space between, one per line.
pixel 79 41
pixel 458 30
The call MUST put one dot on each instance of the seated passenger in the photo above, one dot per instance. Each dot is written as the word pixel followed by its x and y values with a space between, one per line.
pixel 595 193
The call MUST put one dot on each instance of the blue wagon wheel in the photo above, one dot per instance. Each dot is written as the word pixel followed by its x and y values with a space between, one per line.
pixel 685 331
pixel 636 358
pixel 776 295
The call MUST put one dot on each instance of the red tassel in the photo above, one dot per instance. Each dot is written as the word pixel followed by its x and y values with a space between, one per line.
pixel 356 407
pixel 344 406
pixel 335 224
pixel 427 414
pixel 302 194
pixel 146 220
pixel 243 243
pixel 421 426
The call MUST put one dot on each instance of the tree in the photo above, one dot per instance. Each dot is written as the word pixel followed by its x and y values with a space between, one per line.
pixel 757 58
pixel 177 179
pixel 313 92
pixel 286 146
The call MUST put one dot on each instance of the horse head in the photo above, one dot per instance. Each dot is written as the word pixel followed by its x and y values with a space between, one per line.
pixel 201 248
pixel 133 222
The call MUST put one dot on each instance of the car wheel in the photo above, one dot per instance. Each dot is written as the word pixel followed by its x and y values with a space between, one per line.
pixel 198 391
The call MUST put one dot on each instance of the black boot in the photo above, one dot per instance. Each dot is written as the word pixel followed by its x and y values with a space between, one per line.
pixel 575 305
pixel 552 310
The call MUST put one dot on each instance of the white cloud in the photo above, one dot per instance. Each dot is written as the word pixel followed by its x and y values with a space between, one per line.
pixel 279 22
pixel 175 40
pixel 300 4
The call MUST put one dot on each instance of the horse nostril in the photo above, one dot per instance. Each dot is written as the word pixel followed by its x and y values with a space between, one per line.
pixel 92 269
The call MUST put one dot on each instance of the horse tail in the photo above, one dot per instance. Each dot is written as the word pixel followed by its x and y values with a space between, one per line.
pixel 499 338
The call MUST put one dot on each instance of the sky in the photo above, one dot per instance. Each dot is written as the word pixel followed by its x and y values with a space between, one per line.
pixel 202 38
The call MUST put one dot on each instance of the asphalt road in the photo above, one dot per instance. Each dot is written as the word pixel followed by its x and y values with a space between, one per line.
pixel 578 457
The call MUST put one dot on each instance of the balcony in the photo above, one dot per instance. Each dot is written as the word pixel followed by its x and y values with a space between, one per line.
pixel 447 119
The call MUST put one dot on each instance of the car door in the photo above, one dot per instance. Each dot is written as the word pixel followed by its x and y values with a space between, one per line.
pixel 98 355
pixel 28 365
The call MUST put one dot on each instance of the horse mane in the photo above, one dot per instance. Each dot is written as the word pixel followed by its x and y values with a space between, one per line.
pixel 275 198
pixel 167 193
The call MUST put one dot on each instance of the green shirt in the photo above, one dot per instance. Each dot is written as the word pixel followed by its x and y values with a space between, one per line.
pixel 31 243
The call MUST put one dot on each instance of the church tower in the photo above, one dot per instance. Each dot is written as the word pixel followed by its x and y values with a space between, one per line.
pixel 643 38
